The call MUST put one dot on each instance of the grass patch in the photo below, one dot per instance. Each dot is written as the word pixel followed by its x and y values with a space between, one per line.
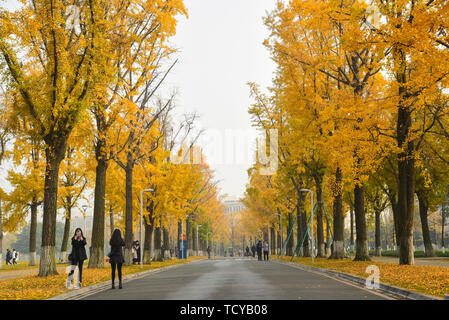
pixel 31 287
pixel 430 280
pixel 21 265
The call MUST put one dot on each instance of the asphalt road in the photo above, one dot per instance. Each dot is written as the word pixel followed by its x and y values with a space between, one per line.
pixel 236 279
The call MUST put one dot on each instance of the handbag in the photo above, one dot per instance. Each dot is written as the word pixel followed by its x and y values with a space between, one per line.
pixel 69 257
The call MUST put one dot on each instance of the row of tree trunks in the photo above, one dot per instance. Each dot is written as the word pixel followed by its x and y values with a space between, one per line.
pixel 189 236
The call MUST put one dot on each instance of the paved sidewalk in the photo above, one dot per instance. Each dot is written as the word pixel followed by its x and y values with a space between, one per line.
pixel 20 273
pixel 435 261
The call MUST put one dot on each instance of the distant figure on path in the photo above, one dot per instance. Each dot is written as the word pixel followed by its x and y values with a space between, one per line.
pixel 77 257
pixel 265 250
pixel 138 250
pixel 8 256
pixel 208 252
pixel 134 252
pixel 14 256
pixel 259 250
pixel 116 256
pixel 253 250
pixel 247 251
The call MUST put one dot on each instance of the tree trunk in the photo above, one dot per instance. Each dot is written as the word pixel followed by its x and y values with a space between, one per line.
pixel 147 242
pixel 299 229
pixel 423 208
pixel 289 249
pixel 179 235
pixel 166 247
pixel 362 253
pixel 65 236
pixel 338 244
pixel 273 241
pixel 319 218
pixel 54 156
pixel 406 162
pixel 189 236
pixel 97 256
pixel 111 220
pixel 328 238
pixel 158 244
pixel 194 241
pixel 33 230
pixel 443 221
pixel 377 234
pixel 129 236
pixel 351 214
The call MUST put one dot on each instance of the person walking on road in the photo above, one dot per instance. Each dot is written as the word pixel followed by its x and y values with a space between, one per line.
pixel 253 250
pixel 14 256
pixel 259 250
pixel 208 252
pixel 8 256
pixel 116 256
pixel 247 251
pixel 77 257
pixel 138 250
pixel 265 250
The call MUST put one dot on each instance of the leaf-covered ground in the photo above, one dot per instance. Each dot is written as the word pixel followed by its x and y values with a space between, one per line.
pixel 33 288
pixel 430 280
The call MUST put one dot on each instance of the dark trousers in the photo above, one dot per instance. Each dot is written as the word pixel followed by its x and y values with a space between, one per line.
pixel 80 270
pixel 259 256
pixel 119 270
pixel 265 255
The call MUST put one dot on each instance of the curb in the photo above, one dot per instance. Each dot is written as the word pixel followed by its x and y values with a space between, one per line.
pixel 77 294
pixel 403 293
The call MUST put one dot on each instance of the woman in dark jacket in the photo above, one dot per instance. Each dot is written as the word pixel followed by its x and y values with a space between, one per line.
pixel 77 257
pixel 116 256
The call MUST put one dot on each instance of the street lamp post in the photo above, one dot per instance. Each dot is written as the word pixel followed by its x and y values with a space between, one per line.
pixel 141 215
pixel 311 218
pixel 197 242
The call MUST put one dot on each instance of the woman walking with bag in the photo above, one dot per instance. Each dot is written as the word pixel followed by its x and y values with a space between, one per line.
pixel 77 257
pixel 116 256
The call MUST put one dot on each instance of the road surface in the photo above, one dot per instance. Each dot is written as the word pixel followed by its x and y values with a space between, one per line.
pixel 236 279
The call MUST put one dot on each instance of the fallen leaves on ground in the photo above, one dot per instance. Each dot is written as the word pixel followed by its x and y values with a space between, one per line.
pixel 430 280
pixel 31 287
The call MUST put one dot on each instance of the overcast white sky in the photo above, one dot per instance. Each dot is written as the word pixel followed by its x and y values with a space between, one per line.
pixel 220 50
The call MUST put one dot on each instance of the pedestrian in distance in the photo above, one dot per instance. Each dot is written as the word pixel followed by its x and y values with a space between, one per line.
pixel 138 250
pixel 247 251
pixel 265 250
pixel 14 256
pixel 8 256
pixel 134 252
pixel 253 250
pixel 208 252
pixel 259 248
pixel 76 258
pixel 116 256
